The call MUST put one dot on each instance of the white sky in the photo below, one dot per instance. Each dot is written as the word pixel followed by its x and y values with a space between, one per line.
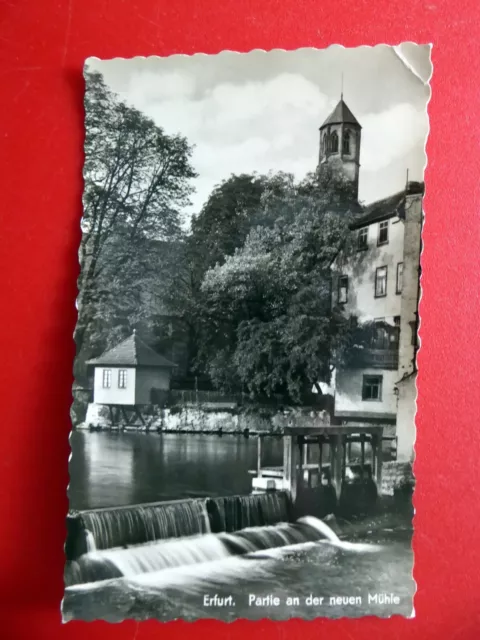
pixel 261 111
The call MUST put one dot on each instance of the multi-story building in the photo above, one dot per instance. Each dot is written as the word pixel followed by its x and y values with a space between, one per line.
pixel 376 282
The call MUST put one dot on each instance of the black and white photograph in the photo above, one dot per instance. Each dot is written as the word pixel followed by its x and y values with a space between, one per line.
pixel 243 417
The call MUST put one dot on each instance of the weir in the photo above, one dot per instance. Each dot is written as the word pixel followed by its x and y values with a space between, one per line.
pixel 170 554
pixel 108 528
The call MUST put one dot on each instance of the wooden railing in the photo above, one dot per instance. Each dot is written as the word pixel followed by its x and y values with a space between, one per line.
pixel 375 358
pixel 188 396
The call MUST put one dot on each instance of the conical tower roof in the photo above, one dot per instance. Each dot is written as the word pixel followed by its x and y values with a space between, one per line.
pixel 341 114
pixel 132 352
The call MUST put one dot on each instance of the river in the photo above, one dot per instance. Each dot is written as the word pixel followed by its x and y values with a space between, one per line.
pixel 113 469
pixel 110 469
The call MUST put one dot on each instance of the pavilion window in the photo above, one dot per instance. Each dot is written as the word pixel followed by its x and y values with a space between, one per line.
pixel 122 379
pixel 107 378
pixel 346 142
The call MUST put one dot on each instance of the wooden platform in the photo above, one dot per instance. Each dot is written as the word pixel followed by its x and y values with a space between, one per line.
pixel 334 461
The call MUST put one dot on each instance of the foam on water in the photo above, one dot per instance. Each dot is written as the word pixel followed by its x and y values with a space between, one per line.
pixel 193 556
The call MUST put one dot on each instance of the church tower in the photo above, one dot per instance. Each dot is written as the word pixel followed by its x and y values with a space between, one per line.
pixel 340 136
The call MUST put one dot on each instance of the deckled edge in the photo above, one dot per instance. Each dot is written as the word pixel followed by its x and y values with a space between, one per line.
pixel 70 457
pixel 420 297
pixel 226 52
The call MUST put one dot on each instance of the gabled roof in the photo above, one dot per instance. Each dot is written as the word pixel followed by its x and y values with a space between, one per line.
pixel 387 207
pixel 132 352
pixel 381 210
pixel 341 114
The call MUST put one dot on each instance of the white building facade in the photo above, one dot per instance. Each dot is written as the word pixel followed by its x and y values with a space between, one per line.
pixel 128 374
pixel 376 284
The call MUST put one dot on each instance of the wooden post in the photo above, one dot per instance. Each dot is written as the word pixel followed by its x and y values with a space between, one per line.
pixel 344 463
pixel 362 458
pixel 320 456
pixel 259 456
pixel 378 472
pixel 331 445
pixel 338 465
pixel 290 465
pixel 139 415
pixel 373 443
pixel 301 448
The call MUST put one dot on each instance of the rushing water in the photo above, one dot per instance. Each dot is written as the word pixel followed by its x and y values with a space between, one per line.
pixel 169 579
pixel 109 469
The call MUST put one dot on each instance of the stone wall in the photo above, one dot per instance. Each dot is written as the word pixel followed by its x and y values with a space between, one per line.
pixel 208 419
pixel 396 476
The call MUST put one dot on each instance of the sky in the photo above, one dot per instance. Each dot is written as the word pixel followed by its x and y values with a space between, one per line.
pixel 261 111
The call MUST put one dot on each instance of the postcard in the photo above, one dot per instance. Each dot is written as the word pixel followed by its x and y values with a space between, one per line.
pixel 245 381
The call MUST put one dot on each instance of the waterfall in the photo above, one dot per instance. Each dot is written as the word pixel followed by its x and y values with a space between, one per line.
pixel 122 526
pixel 232 513
pixel 138 524
pixel 194 550
pixel 89 541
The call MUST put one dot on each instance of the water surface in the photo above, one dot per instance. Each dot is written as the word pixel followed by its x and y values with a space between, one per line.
pixel 112 469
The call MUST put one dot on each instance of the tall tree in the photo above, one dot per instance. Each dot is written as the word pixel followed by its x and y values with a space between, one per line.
pixel 267 322
pixel 233 208
pixel 137 180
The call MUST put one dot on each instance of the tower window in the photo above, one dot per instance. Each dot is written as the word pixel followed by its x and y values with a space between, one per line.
pixel 334 142
pixel 381 282
pixel 346 142
pixel 383 232
pixel 342 289
pixel 331 141
pixel 372 388
pixel 362 238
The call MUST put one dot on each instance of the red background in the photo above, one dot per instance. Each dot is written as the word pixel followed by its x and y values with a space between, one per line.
pixel 43 44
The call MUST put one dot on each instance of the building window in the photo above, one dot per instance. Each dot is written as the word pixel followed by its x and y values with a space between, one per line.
pixel 383 232
pixel 346 142
pixel 342 289
pixel 395 335
pixel 413 329
pixel 399 277
pixel 380 334
pixel 362 241
pixel 122 378
pixel 107 378
pixel 372 388
pixel 381 282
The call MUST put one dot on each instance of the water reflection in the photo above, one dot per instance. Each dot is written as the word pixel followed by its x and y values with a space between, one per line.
pixel 110 469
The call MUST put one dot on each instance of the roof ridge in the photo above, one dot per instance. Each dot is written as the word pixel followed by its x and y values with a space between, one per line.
pixel 341 113
pixel 132 351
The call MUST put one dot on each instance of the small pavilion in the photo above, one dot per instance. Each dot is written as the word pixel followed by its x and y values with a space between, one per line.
pixel 129 375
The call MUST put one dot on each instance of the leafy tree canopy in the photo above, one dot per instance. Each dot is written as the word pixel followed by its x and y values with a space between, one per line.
pixel 137 181
pixel 267 321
